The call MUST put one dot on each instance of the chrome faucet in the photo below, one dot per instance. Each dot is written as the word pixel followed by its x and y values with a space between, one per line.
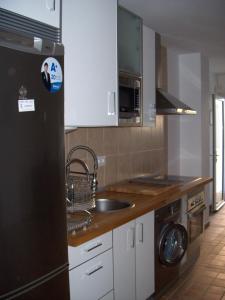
pixel 93 175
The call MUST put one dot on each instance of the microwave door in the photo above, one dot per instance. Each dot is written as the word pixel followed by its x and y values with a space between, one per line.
pixel 126 96
pixel 129 101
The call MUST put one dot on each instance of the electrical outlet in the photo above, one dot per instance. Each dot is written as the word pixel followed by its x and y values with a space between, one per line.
pixel 101 161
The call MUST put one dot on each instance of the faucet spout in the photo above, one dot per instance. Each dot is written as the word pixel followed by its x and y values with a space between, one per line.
pixel 93 175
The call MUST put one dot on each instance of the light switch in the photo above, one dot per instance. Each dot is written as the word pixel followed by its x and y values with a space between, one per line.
pixel 101 161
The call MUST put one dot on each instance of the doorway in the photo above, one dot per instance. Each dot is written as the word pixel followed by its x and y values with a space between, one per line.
pixel 218 152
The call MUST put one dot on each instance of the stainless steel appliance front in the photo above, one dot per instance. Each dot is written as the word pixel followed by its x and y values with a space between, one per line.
pixel 34 259
pixel 130 100
pixel 195 224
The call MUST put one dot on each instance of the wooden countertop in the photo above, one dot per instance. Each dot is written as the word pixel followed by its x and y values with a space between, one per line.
pixel 144 198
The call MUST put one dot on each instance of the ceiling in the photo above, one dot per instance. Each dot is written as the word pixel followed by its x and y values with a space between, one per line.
pixel 191 25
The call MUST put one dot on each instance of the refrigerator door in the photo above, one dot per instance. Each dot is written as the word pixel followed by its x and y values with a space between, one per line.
pixel 32 201
pixel 52 289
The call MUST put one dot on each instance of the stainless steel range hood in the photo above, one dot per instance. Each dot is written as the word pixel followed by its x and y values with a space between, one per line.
pixel 166 104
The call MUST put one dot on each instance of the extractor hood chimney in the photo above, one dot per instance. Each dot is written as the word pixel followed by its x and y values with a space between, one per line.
pixel 166 104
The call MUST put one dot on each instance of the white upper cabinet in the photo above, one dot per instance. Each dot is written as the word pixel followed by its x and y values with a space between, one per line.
pixel 46 11
pixel 149 80
pixel 129 42
pixel 89 34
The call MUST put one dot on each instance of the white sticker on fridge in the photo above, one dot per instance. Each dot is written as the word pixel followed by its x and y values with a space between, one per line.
pixel 26 105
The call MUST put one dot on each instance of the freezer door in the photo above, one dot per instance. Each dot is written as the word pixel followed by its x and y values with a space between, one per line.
pixel 52 289
pixel 32 202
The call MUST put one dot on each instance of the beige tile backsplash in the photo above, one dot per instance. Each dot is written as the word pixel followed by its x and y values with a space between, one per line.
pixel 129 151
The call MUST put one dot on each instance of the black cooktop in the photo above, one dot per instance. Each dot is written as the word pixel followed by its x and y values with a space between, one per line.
pixel 165 180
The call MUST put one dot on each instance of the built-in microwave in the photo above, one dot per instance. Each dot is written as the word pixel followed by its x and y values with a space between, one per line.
pixel 130 100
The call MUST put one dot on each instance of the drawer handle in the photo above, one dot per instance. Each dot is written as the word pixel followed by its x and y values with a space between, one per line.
pixel 94 271
pixel 196 212
pixel 94 247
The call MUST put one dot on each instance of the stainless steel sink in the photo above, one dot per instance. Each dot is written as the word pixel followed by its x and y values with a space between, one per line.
pixel 111 205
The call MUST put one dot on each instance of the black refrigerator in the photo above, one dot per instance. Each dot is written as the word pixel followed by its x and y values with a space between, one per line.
pixel 33 234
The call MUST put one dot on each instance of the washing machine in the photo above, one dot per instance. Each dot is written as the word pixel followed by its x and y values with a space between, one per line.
pixel 171 243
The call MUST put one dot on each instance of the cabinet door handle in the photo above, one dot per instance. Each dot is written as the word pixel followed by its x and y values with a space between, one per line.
pixel 50 4
pixel 131 237
pixel 94 247
pixel 89 273
pixel 140 232
pixel 111 103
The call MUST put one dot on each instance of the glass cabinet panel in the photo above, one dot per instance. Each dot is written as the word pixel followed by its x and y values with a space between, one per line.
pixel 129 42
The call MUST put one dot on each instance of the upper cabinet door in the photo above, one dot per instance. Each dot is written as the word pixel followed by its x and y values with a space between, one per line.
pixel 129 42
pixel 46 11
pixel 149 81
pixel 89 34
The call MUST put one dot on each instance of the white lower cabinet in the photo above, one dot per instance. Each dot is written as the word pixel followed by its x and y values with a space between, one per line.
pixel 145 256
pixel 90 249
pixel 124 261
pixel 92 279
pixel 91 269
pixel 133 251
pixel 118 265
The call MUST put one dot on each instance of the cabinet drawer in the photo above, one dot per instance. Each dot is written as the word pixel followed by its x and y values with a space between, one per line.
pixel 93 279
pixel 86 251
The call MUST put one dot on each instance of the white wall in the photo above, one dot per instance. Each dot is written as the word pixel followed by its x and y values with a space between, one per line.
pixel 216 68
pixel 188 136
pixel 173 121
pixel 217 65
pixel 206 98
pixel 190 126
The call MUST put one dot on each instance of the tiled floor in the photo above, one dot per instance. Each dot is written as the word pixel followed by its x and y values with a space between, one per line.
pixel 206 280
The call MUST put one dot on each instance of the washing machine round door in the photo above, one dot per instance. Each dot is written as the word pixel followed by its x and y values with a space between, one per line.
pixel 173 244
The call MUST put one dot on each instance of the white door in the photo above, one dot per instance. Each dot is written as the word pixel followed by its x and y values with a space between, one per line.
pixel 124 261
pixel 145 263
pixel 89 34
pixel 218 152
pixel 46 11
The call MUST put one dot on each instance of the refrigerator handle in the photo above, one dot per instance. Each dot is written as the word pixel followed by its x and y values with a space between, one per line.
pixel 28 44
